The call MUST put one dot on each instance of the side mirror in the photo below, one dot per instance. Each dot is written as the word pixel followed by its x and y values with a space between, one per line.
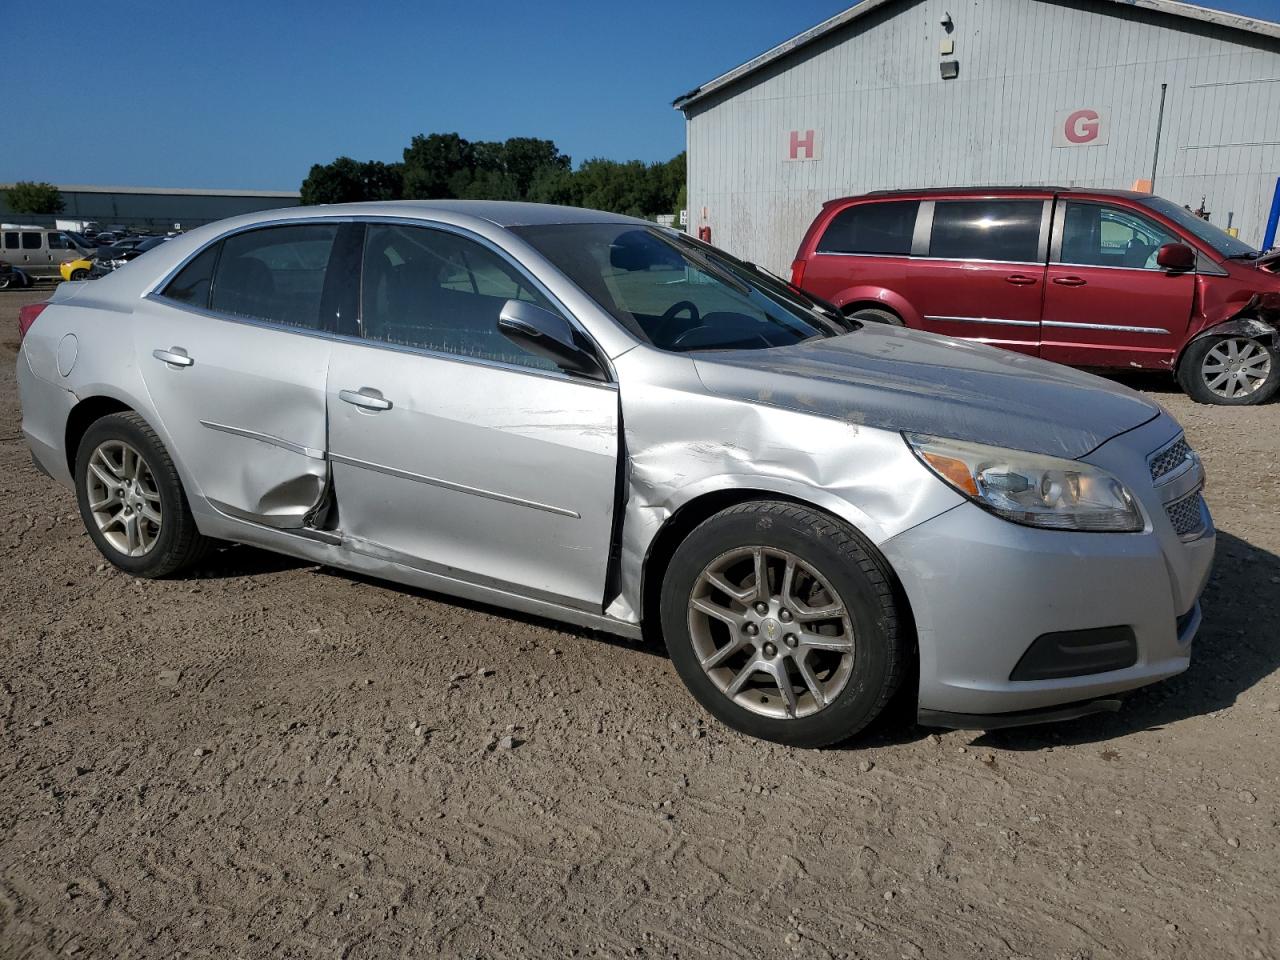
pixel 1176 258
pixel 549 335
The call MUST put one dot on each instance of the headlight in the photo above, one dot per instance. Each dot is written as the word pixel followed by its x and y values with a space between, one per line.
pixel 1031 489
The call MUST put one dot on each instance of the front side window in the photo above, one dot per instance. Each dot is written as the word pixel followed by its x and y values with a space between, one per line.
pixel 674 294
pixel 1096 235
pixel 58 241
pixel 274 274
pixel 435 290
pixel 30 240
pixel 987 230
pixel 880 228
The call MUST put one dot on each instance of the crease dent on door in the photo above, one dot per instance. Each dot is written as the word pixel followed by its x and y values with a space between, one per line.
pixel 279 485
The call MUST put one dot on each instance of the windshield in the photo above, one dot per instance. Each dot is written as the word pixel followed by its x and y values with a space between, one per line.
pixel 1220 240
pixel 676 295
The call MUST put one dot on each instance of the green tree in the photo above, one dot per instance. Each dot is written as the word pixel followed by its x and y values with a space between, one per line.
pixel 34 198
pixel 432 164
pixel 523 158
pixel 349 181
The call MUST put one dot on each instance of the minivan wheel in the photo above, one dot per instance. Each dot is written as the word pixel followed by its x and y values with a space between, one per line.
pixel 876 315
pixel 1232 370
pixel 131 500
pixel 782 623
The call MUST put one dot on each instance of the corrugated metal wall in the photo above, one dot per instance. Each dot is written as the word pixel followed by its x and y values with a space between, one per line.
pixel 883 117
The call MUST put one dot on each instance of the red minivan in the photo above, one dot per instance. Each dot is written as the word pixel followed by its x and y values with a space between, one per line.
pixel 1091 278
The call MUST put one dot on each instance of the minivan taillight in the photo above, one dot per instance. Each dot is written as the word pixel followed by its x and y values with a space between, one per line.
pixel 27 316
pixel 797 272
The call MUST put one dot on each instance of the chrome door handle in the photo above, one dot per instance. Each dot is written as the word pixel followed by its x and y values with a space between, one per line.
pixel 366 397
pixel 1070 281
pixel 1020 279
pixel 174 356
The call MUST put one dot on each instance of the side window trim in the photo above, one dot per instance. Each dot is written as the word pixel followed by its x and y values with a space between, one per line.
pixel 532 283
pixel 155 293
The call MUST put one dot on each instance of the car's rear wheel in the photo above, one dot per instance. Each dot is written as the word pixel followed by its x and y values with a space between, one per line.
pixel 875 315
pixel 7 280
pixel 131 499
pixel 782 622
pixel 1231 370
pixel 80 274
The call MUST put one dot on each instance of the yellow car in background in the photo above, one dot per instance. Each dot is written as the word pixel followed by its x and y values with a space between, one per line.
pixel 76 269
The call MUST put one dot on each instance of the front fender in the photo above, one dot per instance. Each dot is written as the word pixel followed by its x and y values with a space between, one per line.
pixel 1259 318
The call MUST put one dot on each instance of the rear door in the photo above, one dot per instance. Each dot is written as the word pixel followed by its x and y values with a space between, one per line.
pixel 982 274
pixel 1107 304
pixel 453 450
pixel 234 352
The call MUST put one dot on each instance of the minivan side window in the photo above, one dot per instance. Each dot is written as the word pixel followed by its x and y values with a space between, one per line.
pixel 880 228
pixel 30 240
pixel 195 280
pixel 1097 235
pixel 11 240
pixel 59 241
pixel 987 230
pixel 274 274
pixel 435 290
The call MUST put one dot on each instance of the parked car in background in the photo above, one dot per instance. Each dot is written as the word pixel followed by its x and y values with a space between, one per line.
pixel 77 269
pixel 106 238
pixel 39 251
pixel 6 275
pixel 807 510
pixel 109 258
pixel 1091 278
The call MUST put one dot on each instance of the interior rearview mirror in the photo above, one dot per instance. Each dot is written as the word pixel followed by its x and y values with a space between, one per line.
pixel 549 335
pixel 1176 258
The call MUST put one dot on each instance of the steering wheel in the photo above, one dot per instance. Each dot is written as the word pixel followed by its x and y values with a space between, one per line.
pixel 694 314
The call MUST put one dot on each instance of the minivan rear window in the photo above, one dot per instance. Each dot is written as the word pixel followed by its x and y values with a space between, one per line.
pixel 987 230
pixel 885 228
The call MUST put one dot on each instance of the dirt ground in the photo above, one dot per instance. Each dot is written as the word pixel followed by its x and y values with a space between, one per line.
pixel 272 759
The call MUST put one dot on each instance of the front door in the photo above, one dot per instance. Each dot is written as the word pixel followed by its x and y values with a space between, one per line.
pixel 1106 302
pixel 453 450
pixel 229 355
pixel 983 276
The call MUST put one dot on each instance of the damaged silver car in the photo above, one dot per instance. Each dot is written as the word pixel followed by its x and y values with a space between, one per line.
pixel 590 418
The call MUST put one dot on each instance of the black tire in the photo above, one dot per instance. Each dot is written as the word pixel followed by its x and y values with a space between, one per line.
pixel 857 573
pixel 178 544
pixel 7 280
pixel 1192 379
pixel 80 274
pixel 875 315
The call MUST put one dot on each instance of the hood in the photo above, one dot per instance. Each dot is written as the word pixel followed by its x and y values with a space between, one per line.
pixel 898 379
pixel 1270 262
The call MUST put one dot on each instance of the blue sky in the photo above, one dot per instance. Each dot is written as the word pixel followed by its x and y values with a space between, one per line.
pixel 249 94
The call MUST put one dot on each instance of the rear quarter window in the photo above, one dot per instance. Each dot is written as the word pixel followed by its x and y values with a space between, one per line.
pixel 884 228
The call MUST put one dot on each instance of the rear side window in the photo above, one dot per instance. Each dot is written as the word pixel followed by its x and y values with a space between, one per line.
pixel 11 240
pixel 884 228
pixel 193 282
pixel 987 230
pixel 30 240
pixel 274 274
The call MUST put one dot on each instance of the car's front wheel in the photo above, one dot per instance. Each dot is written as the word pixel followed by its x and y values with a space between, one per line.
pixel 81 274
pixel 1233 370
pixel 131 499
pixel 783 623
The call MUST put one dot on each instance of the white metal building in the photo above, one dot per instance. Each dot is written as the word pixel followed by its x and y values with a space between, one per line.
pixel 928 93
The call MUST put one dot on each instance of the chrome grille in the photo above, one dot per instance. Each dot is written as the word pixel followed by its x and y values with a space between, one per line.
pixel 1186 514
pixel 1170 458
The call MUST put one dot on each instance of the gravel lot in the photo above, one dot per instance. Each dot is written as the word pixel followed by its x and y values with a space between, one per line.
pixel 275 759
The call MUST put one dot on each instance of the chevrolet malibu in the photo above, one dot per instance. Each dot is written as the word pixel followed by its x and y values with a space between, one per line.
pixel 593 419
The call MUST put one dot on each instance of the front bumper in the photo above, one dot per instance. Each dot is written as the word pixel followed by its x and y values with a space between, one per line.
pixel 982 590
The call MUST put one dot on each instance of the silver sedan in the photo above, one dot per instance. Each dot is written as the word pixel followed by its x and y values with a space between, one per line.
pixel 590 418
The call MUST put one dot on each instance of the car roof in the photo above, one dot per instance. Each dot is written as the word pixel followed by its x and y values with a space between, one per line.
pixel 502 213
pixel 991 191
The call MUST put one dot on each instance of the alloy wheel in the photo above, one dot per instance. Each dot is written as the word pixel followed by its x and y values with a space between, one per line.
pixel 770 632
pixel 124 498
pixel 1236 367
